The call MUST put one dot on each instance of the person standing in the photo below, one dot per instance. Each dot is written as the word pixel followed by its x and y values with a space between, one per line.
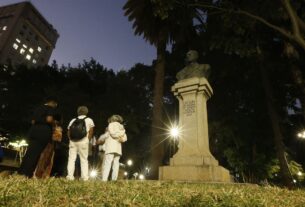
pixel 40 134
pixel 113 139
pixel 80 130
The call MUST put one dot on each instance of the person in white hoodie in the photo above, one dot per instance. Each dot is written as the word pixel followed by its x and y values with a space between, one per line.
pixel 112 139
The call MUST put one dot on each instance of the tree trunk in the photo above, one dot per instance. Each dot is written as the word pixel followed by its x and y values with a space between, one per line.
pixel 299 82
pixel 277 134
pixel 157 146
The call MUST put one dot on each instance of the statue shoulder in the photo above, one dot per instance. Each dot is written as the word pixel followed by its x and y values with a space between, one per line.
pixel 195 70
pixel 204 66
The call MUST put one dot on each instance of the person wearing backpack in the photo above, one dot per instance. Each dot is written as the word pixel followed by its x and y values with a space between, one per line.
pixel 112 139
pixel 80 130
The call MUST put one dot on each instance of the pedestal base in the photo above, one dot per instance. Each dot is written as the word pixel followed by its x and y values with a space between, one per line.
pixel 195 160
pixel 195 173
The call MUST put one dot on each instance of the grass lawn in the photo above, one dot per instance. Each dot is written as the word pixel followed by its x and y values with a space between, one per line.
pixel 17 191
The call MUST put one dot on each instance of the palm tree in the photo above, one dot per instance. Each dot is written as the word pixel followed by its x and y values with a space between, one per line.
pixel 160 23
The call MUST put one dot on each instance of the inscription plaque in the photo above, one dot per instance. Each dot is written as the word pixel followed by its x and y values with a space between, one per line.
pixel 189 107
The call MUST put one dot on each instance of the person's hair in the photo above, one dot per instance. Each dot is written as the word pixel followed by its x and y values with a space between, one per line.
pixel 82 110
pixel 115 118
pixel 50 99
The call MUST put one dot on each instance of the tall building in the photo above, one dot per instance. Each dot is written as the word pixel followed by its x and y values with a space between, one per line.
pixel 26 37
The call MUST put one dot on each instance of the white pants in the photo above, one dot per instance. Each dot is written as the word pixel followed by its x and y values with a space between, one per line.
pixel 82 149
pixel 111 159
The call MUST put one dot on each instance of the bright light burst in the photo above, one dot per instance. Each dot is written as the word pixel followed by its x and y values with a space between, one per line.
pixel 174 132
pixel 93 173
pixel 171 130
pixel 141 177
pixel 301 134
pixel 19 144
pixel 129 162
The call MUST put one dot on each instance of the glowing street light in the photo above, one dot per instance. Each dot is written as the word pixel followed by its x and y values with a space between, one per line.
pixel 174 132
pixel 141 177
pixel 129 162
pixel 126 174
pixel 301 134
pixel 93 173
pixel 300 173
pixel 21 147
pixel 19 144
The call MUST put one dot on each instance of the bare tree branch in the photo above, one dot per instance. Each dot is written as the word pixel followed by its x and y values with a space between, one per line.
pixel 301 24
pixel 253 16
pixel 298 24
pixel 264 21
pixel 293 17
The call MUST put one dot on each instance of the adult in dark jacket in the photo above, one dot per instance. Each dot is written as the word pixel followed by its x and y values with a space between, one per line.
pixel 40 135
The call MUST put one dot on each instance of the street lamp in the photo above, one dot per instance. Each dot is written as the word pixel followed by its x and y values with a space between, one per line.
pixel 174 132
pixel 301 134
pixel 129 162
pixel 93 173
pixel 141 177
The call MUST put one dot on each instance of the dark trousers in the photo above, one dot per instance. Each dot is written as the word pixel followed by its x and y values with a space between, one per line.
pixel 31 157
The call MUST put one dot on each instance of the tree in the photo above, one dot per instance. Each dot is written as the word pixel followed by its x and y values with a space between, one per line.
pixel 160 23
pixel 255 39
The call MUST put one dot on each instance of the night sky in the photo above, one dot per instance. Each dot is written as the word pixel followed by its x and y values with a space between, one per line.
pixel 93 28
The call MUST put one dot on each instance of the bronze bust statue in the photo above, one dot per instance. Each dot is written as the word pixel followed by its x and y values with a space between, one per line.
pixel 193 68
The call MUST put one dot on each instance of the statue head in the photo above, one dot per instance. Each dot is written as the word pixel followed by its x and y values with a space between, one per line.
pixel 192 56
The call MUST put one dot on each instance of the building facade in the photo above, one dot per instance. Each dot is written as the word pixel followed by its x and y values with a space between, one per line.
pixel 25 36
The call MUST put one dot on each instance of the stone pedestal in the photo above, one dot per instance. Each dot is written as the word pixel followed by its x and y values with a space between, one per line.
pixel 193 161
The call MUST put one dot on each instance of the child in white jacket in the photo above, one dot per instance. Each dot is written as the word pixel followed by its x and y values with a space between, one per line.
pixel 112 139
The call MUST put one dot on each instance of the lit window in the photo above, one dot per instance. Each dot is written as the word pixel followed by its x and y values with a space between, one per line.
pixel 22 51
pixel 34 61
pixel 28 57
pixel 4 28
pixel 18 40
pixel 25 46
pixel 31 50
pixel 15 46
pixel 39 49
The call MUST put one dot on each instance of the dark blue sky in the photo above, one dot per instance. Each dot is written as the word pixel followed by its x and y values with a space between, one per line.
pixel 93 28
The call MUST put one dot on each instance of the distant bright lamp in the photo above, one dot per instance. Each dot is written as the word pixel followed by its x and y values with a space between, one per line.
pixel 93 173
pixel 301 134
pixel 129 162
pixel 141 177
pixel 300 173
pixel 125 173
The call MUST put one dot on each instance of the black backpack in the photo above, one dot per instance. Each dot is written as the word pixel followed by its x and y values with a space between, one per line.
pixel 78 129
